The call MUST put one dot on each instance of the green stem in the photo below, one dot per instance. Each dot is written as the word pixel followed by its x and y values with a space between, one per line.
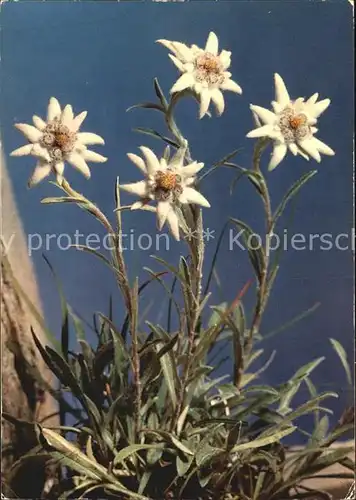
pixel 196 249
pixel 263 289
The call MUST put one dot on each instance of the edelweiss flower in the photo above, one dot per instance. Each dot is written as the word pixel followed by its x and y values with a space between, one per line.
pixel 56 141
pixel 204 71
pixel 168 183
pixel 291 125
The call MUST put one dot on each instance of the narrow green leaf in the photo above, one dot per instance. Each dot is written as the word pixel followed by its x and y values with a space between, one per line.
pixel 290 194
pixel 154 133
pixel 183 465
pixel 319 432
pixel 159 93
pixel 85 248
pixel 61 199
pixel 261 442
pixel 125 453
pixel 309 406
pixel 340 351
pixel 78 325
pixel 146 105
pixel 170 375
pixel 64 309
pixel 228 157
pixel 254 177
pixel 215 317
pixel 292 322
pixel 254 247
pixel 155 276
pixel 214 259
pixel 259 484
pixel 170 438
pixel 289 389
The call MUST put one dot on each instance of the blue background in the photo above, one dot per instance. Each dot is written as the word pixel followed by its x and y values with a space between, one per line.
pixel 101 57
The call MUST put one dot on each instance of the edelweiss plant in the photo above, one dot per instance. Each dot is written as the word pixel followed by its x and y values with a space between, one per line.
pixel 151 419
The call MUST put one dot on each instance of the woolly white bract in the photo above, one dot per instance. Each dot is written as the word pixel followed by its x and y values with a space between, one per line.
pixel 291 125
pixel 169 183
pixel 203 71
pixel 58 140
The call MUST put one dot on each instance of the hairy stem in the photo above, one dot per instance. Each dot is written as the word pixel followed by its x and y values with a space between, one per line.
pixel 263 289
pixel 195 240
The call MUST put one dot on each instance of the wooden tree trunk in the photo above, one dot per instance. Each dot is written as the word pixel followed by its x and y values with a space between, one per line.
pixel 22 395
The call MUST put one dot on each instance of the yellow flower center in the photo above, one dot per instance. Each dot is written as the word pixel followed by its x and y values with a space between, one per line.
pixel 209 63
pixel 166 180
pixel 209 69
pixel 62 139
pixel 297 121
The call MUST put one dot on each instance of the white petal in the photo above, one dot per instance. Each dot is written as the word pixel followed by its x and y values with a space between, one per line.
pixel 192 169
pixel 319 107
pixel 301 153
pixel 180 65
pixel 191 195
pixel 138 161
pixel 225 58
pixel 59 169
pixel 322 147
pixel 299 105
pixel 212 44
pixel 163 161
pixel 172 220
pixel 204 102
pixel 293 148
pixel 67 115
pixel 177 159
pixel 189 180
pixel 282 96
pixel 265 114
pixel 79 163
pixel 22 151
pixel 312 99
pixel 139 204
pixel 152 162
pixel 138 188
pixel 163 207
pixel 53 110
pixel 29 131
pixel 38 122
pixel 40 152
pixel 77 121
pixel 90 138
pixel 41 171
pixel 198 87
pixel 277 108
pixel 181 50
pixel 185 81
pixel 232 86
pixel 265 131
pixel 279 152
pixel 93 156
pixel 218 99
pixel 310 147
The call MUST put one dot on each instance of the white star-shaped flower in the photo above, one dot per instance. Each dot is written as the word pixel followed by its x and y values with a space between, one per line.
pixel 291 125
pixel 169 183
pixel 203 71
pixel 58 140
